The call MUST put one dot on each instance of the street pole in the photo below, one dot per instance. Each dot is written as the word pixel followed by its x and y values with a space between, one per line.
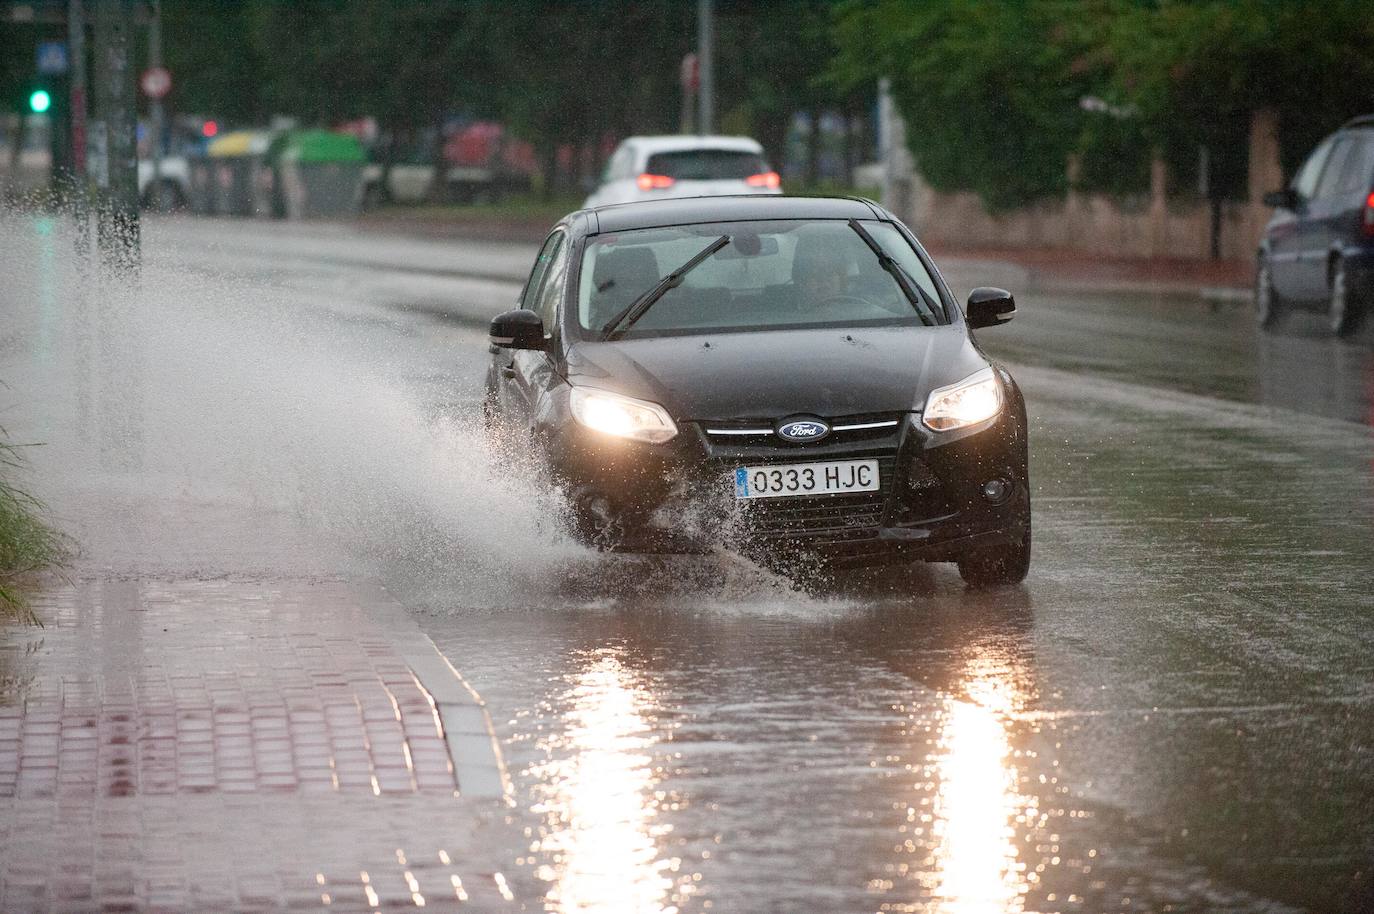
pixel 117 228
pixel 885 141
pixel 706 106
pixel 155 61
pixel 76 53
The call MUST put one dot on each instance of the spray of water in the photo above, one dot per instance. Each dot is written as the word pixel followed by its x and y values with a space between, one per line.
pixel 208 416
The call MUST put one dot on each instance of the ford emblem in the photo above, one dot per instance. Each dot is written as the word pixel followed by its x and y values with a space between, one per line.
pixel 800 430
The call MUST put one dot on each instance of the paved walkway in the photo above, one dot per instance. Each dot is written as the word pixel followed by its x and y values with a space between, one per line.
pixel 241 746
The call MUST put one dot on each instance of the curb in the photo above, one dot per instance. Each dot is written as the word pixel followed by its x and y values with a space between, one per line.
pixel 472 745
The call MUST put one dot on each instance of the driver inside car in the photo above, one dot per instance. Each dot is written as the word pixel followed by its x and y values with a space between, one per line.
pixel 820 274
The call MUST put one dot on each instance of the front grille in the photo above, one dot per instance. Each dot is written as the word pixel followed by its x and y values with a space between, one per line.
pixel 820 519
pixel 851 427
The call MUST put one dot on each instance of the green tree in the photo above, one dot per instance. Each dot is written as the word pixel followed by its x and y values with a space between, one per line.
pixel 990 91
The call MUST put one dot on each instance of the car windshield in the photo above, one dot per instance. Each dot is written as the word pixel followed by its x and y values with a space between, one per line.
pixel 706 165
pixel 771 275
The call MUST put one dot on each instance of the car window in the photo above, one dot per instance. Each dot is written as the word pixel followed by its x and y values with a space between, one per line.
pixel 1305 183
pixel 1330 178
pixel 552 290
pixel 1358 167
pixel 530 297
pixel 706 164
pixel 772 274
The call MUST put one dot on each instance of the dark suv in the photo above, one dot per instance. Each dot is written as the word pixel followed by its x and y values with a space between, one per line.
pixel 1318 250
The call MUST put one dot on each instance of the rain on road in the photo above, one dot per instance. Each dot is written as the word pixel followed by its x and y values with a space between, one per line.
pixel 1174 712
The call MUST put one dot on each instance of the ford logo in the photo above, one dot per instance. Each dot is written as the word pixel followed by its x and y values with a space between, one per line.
pixel 798 430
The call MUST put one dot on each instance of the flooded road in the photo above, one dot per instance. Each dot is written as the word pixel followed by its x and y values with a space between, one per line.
pixel 1174 713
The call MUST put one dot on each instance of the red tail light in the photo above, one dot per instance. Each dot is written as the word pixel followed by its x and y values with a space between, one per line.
pixel 654 182
pixel 1368 223
pixel 768 179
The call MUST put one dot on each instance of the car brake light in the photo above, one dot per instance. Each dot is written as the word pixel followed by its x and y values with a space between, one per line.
pixel 1368 224
pixel 654 182
pixel 767 179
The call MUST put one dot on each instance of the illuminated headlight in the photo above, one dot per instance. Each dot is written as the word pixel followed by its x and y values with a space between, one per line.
pixel 975 399
pixel 624 417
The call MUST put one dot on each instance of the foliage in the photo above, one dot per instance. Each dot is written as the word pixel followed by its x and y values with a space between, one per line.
pixel 1197 70
pixel 26 542
pixel 990 91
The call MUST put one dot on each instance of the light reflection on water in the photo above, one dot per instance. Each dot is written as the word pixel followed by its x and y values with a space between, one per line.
pixel 978 804
pixel 598 800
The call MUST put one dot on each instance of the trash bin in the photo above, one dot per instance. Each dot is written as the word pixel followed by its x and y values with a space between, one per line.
pixel 319 173
pixel 200 180
pixel 239 168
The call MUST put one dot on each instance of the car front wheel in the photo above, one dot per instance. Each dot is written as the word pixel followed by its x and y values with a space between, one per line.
pixel 997 566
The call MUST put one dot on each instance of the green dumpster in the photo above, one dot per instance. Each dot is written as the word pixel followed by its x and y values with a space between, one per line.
pixel 319 173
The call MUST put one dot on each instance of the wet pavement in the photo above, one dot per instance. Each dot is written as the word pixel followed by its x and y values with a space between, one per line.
pixel 1174 713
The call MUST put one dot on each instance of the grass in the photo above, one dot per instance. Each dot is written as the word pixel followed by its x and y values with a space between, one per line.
pixel 27 543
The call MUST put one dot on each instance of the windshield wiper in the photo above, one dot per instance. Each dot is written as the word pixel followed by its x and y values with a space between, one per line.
pixel 637 308
pixel 896 271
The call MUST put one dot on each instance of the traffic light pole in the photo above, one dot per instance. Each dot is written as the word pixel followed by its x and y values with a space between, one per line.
pixel 76 54
pixel 155 105
pixel 117 223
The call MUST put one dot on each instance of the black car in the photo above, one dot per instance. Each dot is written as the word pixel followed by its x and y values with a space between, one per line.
pixel 1318 250
pixel 786 374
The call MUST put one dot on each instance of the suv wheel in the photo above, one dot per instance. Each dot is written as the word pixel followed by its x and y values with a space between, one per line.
pixel 1343 309
pixel 1268 305
pixel 996 566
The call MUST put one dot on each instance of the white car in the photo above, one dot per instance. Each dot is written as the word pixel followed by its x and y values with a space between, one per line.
pixel 659 167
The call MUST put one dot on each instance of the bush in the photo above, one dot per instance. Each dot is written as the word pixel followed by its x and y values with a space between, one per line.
pixel 27 543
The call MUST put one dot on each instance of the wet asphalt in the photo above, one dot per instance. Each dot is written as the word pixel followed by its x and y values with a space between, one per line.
pixel 1175 712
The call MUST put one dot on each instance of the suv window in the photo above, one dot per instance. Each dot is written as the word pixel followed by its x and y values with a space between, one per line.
pixel 1335 165
pixel 706 165
pixel 1305 183
pixel 1358 167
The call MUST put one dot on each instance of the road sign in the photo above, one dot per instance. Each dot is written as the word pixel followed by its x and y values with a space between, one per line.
pixel 52 58
pixel 156 82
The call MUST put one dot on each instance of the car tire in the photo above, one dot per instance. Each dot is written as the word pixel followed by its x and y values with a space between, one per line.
pixel 1269 307
pixel 997 566
pixel 1344 309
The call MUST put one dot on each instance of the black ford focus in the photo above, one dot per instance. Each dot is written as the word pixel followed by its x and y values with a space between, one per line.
pixel 780 373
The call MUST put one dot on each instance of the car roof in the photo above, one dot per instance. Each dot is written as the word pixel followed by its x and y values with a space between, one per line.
pixel 621 217
pixel 653 144
pixel 1364 120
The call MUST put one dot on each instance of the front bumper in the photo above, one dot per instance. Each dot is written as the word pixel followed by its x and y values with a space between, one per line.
pixel 678 496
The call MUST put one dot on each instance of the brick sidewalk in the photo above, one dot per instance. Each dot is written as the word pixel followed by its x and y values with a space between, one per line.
pixel 241 746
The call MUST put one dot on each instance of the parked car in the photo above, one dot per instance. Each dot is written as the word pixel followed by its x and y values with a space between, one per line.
pixel 481 164
pixel 659 167
pixel 789 374
pixel 1317 252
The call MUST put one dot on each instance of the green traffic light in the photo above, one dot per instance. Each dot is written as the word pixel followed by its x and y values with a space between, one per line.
pixel 40 101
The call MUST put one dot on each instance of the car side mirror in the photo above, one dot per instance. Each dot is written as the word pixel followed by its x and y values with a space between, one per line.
pixel 1288 198
pixel 518 329
pixel 988 307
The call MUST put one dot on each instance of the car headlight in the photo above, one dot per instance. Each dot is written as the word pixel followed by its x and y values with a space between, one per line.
pixel 624 417
pixel 975 399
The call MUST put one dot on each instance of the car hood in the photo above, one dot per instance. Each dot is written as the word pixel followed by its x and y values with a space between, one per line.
pixel 771 374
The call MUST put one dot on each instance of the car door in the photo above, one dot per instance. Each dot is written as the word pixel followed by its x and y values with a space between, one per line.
pixel 530 372
pixel 1341 204
pixel 1285 232
pixel 1314 233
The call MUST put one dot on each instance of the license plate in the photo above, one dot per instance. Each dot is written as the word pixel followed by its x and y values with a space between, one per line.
pixel 779 480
